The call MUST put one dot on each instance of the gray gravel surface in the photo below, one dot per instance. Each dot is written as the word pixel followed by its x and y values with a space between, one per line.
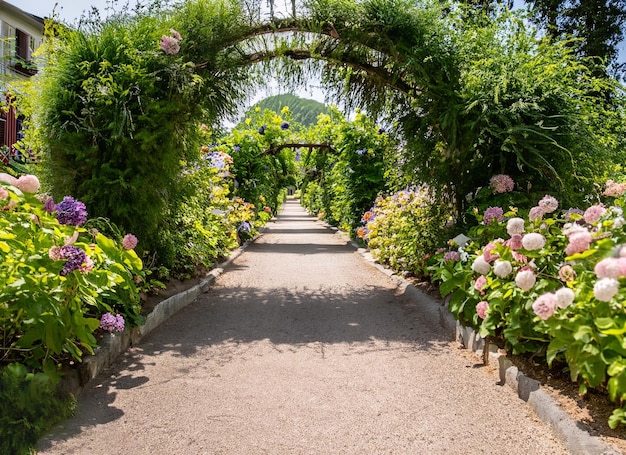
pixel 300 348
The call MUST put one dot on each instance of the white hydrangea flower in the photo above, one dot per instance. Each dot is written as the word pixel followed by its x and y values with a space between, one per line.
pixel 605 289
pixel 533 241
pixel 564 297
pixel 502 268
pixel 481 266
pixel 525 280
pixel 515 226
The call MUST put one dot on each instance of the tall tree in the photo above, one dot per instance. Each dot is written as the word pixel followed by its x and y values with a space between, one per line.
pixel 598 24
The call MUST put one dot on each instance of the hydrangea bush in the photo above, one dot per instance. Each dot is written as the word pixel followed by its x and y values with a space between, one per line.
pixel 57 279
pixel 548 280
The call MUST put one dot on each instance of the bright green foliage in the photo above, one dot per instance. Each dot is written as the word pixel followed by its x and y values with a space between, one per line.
pixel 29 406
pixel 587 330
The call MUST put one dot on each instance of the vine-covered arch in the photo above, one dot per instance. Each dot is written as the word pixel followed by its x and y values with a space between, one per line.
pixel 121 105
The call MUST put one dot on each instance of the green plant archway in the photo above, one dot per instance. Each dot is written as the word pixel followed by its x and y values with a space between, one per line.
pixel 468 96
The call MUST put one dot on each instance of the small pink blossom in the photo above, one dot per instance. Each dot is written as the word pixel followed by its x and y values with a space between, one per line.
pixel 593 213
pixel 480 283
pixel 545 305
pixel 536 213
pixel 519 257
pixel 28 183
pixel 452 256
pixel 482 308
pixel 129 242
pixel 4 194
pixel 175 35
pixel 501 183
pixel 86 266
pixel 578 242
pixel 55 253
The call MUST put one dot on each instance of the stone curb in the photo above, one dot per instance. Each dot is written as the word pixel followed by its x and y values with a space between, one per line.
pixel 572 435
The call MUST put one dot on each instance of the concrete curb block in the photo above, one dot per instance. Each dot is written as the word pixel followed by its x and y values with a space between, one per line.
pixel 572 435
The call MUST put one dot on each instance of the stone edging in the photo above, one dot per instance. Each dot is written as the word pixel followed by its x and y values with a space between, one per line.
pixel 572 435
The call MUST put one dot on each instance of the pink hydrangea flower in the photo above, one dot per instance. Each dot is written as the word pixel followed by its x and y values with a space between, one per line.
pixel 482 308
pixel 519 257
pixel 493 213
pixel 605 289
pixel 129 242
pixel 452 256
pixel 515 242
pixel 169 45
pixel 545 305
pixel 593 213
pixel 536 213
pixel 480 283
pixel 614 189
pixel 501 183
pixel 578 242
pixel 548 204
pixel 28 183
pixel 487 252
pixel 525 279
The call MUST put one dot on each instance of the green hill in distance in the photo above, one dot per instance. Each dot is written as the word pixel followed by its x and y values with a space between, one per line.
pixel 303 110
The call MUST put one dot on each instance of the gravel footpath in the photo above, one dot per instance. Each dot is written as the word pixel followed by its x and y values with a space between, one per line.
pixel 300 348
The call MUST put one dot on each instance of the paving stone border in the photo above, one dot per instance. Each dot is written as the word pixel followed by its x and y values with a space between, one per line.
pixel 572 435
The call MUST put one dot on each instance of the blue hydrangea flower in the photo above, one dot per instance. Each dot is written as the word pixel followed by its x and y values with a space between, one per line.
pixel 262 129
pixel 284 126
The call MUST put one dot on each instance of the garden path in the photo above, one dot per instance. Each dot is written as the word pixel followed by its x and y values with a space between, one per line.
pixel 300 348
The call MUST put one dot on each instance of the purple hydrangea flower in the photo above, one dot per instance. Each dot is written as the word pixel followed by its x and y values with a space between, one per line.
pixel 262 129
pixel 75 258
pixel 493 213
pixel 112 323
pixel 284 126
pixel 71 212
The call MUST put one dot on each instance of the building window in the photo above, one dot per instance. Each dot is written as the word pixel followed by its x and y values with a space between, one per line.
pixel 22 45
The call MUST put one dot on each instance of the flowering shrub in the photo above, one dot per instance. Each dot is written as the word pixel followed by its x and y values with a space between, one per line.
pixel 554 282
pixel 56 279
pixel 402 229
